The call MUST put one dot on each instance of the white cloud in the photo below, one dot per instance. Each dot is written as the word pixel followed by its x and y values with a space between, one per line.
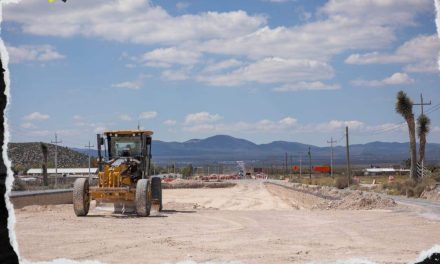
pixel 288 124
pixel 125 117
pixel 202 117
pixel 133 85
pixel 137 21
pixel 170 122
pixel 397 78
pixel 234 33
pixel 36 116
pixel 419 54
pixel 222 65
pixel 26 53
pixel 264 125
pixel 27 125
pixel 297 57
pixel 272 70
pixel 333 125
pixel 288 121
pixel 165 57
pixel 148 115
pixel 380 12
pixel 291 125
pixel 301 86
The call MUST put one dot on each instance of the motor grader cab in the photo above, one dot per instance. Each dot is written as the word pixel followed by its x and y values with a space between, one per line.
pixel 124 177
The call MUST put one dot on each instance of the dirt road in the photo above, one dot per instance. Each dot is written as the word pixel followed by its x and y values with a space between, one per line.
pixel 249 223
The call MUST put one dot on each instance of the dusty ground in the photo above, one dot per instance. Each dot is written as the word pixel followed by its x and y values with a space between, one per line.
pixel 248 223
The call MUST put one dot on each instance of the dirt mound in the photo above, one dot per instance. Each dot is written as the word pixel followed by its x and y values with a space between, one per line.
pixel 358 200
pixel 432 193
pixel 326 198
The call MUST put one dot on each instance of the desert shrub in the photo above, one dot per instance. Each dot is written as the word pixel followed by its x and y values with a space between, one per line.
pixel 409 192
pixel 415 189
pixel 342 182
pixel 18 185
pixel 436 177
pixel 418 190
pixel 295 180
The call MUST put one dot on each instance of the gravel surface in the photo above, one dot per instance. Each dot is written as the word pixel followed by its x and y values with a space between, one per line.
pixel 248 223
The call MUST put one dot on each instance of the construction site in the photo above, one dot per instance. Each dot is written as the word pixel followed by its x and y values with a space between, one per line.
pixel 253 221
pixel 220 132
pixel 251 215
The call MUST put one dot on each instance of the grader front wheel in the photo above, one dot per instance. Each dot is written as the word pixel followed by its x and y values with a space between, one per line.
pixel 81 198
pixel 143 198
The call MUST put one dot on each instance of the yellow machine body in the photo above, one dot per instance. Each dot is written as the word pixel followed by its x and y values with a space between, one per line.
pixel 113 184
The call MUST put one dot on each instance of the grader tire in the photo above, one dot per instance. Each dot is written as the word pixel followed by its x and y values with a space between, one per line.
pixel 156 190
pixel 143 198
pixel 81 199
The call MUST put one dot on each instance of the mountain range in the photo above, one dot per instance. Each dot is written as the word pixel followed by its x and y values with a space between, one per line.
pixel 223 148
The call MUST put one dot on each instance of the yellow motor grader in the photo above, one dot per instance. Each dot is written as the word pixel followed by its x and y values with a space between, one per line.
pixel 124 177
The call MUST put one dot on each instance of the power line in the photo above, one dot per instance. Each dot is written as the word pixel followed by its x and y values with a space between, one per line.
pixel 398 125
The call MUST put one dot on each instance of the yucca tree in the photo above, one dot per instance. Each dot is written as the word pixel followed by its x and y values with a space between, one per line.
pixel 404 106
pixel 44 165
pixel 423 123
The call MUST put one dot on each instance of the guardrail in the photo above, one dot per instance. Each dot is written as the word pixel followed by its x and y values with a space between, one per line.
pixel 24 198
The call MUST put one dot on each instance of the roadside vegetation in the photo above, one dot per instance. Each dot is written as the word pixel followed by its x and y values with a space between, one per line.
pixel 398 185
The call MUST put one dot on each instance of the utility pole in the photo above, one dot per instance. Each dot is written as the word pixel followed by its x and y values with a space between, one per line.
pixel 56 156
pixel 300 165
pixel 422 103
pixel 291 167
pixel 331 156
pixel 310 164
pixel 89 147
pixel 348 155
pixel 421 106
pixel 285 165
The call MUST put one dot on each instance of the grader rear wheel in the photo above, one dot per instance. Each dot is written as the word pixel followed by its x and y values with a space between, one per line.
pixel 143 198
pixel 81 198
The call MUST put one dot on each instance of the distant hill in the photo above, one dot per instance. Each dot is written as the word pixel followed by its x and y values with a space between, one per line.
pixel 29 155
pixel 227 148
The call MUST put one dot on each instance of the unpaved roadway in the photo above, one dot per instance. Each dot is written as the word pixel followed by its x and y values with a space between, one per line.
pixel 248 223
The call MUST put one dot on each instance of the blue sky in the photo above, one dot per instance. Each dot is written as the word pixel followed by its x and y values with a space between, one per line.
pixel 259 70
